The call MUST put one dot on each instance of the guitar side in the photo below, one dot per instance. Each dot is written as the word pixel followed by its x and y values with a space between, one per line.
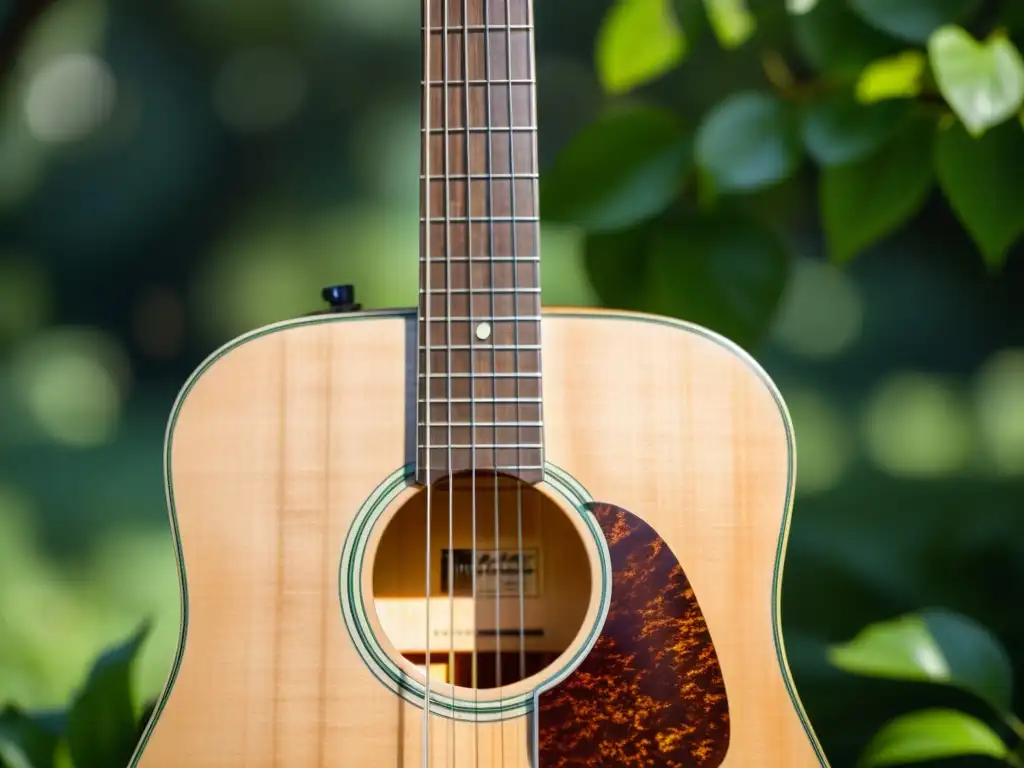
pixel 282 436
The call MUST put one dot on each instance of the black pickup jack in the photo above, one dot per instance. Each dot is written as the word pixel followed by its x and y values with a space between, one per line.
pixel 341 298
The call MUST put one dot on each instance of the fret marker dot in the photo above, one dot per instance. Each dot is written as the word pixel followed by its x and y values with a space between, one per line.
pixel 483 331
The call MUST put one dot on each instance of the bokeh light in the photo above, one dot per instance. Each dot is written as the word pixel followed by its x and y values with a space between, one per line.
pixel 822 314
pixel 72 382
pixel 824 448
pixel 70 98
pixel 999 404
pixel 918 425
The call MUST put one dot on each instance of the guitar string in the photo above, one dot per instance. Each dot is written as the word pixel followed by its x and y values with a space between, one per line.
pixel 515 321
pixel 496 582
pixel 446 133
pixel 427 230
pixel 466 77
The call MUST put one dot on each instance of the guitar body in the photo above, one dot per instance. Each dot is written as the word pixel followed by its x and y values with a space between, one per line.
pixel 670 459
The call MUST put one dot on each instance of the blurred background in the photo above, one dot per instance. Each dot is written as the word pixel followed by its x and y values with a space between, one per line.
pixel 174 174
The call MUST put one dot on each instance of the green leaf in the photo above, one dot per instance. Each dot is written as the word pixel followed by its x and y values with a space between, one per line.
pixel 863 202
pixel 732 21
pixel 724 272
pixel 931 734
pixel 639 41
pixel 935 646
pixel 26 741
pixel 623 169
pixel 983 82
pixel 837 41
pixel 893 77
pixel 981 180
pixel 912 20
pixel 749 141
pixel 838 130
pixel 101 722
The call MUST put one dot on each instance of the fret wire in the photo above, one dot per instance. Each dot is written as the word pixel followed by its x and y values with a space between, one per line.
pixel 503 468
pixel 485 259
pixel 518 81
pixel 478 291
pixel 488 424
pixel 488 400
pixel 483 28
pixel 481 129
pixel 486 318
pixel 481 219
pixel 483 177
pixel 498 347
pixel 463 447
pixel 484 375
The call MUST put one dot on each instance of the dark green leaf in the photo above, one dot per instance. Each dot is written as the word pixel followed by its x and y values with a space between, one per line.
pixel 838 130
pixel 26 741
pixel 893 77
pixel 863 202
pixel 639 41
pixel 983 82
pixel 912 20
pixel 981 180
pixel 732 21
pixel 723 272
pixel 101 722
pixel 748 141
pixel 836 40
pixel 616 264
pixel 932 734
pixel 620 170
pixel 935 646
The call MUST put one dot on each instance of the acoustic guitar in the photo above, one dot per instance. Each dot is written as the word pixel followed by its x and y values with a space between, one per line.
pixel 404 542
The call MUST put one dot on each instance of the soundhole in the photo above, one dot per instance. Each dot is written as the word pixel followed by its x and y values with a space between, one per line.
pixel 522 609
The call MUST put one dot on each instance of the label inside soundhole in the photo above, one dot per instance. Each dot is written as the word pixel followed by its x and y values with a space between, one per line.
pixel 506 596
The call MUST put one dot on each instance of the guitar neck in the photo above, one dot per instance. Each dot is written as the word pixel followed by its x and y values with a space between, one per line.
pixel 479 307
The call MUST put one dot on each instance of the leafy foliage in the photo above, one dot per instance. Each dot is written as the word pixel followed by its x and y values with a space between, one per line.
pixel 945 648
pixel 883 98
pixel 99 729
pixel 639 41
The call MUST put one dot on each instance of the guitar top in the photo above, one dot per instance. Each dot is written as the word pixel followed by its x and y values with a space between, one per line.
pixel 479 533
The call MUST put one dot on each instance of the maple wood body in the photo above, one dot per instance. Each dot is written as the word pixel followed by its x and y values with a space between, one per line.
pixel 282 437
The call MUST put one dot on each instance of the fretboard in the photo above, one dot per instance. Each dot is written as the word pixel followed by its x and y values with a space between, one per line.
pixel 479 310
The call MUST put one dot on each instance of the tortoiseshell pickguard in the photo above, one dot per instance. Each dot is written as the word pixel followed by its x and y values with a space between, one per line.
pixel 650 693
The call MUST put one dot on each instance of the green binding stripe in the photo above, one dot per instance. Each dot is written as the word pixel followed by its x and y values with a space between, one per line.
pixel 384 668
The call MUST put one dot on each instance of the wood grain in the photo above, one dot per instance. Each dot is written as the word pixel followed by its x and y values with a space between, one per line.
pixel 650 694
pixel 281 439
